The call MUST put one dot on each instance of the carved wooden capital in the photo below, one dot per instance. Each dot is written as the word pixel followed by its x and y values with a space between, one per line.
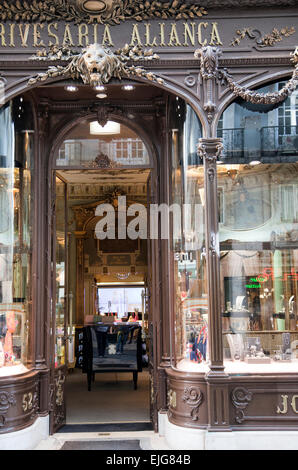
pixel 210 149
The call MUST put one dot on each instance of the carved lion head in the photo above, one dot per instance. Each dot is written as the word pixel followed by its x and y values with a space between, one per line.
pixel 97 65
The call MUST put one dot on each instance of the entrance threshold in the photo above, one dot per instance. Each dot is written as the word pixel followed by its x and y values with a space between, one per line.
pixel 107 427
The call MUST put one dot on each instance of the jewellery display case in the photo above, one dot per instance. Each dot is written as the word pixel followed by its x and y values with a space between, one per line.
pixel 15 235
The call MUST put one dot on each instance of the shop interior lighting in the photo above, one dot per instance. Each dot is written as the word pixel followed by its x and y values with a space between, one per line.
pixel 100 88
pixel 128 88
pixel 111 128
pixel 71 88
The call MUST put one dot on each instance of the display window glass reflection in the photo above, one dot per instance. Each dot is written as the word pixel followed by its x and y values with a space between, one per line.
pixel 258 229
pixel 188 241
pixel 16 156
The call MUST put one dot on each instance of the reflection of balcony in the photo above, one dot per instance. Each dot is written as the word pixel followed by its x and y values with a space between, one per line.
pixel 233 140
pixel 279 141
pixel 244 145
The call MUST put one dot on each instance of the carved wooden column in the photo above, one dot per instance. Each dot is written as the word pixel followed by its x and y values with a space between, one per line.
pixel 218 399
pixel 165 256
pixel 40 289
pixel 80 235
pixel 210 149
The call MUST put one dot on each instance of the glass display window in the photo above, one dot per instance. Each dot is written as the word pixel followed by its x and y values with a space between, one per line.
pixel 188 241
pixel 16 156
pixel 258 230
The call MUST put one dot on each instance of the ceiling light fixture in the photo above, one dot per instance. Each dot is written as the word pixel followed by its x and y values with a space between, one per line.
pixel 71 88
pixel 102 96
pixel 128 87
pixel 100 88
pixel 111 128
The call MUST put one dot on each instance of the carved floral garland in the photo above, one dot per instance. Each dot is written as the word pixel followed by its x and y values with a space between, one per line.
pixel 209 56
pixel 114 12
pixel 269 39
pixel 264 98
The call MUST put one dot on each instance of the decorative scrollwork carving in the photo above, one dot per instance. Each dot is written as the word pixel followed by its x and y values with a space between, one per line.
pixel 172 399
pixel 266 40
pixel 7 400
pixel 193 397
pixel 102 161
pixel 60 388
pixel 241 397
pixel 96 65
pixel 103 11
pixel 208 57
pixel 212 72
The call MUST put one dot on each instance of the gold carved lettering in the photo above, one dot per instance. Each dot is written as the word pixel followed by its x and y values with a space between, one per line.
pixel 162 34
pixel 2 34
pixel 24 34
pixel 107 38
pixel 200 40
pixel 169 34
pixel 135 36
pixel 83 34
pixel 284 404
pixel 95 33
pixel 52 34
pixel 293 403
pixel 174 38
pixel 215 39
pixel 147 36
pixel 37 42
pixel 189 34
pixel 11 35
pixel 67 38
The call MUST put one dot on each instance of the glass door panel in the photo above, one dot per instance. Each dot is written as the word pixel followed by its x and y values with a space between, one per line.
pixel 60 274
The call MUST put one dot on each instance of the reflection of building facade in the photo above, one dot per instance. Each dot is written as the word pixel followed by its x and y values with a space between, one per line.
pixel 221 292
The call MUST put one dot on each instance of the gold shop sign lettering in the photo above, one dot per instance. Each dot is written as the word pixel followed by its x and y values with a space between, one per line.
pixel 27 402
pixel 287 403
pixel 156 34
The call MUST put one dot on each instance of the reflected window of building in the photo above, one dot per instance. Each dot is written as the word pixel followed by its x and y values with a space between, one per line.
pixel 188 240
pixel 16 156
pixel 258 228
pixel 92 146
pixel 259 132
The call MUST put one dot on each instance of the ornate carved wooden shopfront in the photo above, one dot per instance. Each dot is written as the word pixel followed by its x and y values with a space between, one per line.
pixel 209 88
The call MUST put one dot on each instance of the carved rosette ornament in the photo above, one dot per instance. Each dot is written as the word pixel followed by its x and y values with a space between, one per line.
pixel 96 65
pixel 193 397
pixel 241 397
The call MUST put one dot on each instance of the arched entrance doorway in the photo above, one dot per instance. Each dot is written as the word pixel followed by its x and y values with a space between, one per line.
pixel 101 183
